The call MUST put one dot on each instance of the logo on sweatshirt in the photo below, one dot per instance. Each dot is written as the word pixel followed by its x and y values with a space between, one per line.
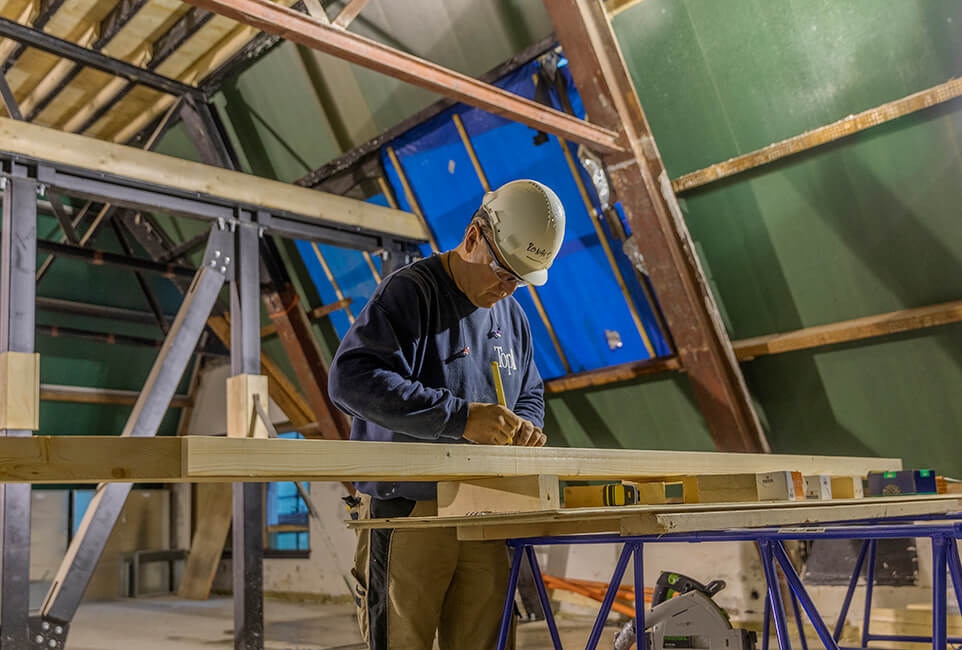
pixel 505 359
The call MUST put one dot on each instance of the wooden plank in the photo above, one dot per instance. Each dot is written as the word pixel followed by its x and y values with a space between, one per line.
pixel 77 150
pixel 621 372
pixel 694 521
pixel 851 330
pixel 213 516
pixel 511 494
pixel 90 459
pixel 735 488
pixel 747 349
pixel 19 390
pixel 653 523
pixel 335 460
pixel 538 529
pixel 90 395
pixel 823 134
pixel 568 515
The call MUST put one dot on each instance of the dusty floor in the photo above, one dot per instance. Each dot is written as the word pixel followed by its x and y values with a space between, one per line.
pixel 171 624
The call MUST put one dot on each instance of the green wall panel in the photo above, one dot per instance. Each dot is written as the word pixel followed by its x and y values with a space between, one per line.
pixel 862 226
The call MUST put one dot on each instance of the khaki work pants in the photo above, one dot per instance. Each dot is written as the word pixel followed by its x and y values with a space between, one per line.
pixel 413 584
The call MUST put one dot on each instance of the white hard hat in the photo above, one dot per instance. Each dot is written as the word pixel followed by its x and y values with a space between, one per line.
pixel 529 225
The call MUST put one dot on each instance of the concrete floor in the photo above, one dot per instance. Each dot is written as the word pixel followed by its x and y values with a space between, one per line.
pixel 169 624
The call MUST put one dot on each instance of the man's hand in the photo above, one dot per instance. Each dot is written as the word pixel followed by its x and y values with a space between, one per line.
pixel 530 436
pixel 491 424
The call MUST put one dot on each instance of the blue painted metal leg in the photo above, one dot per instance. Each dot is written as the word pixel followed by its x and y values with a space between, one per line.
pixel 543 596
pixel 798 590
pixel 767 622
pixel 798 623
pixel 509 598
pixel 639 559
pixel 869 588
pixel 955 570
pixel 774 595
pixel 843 614
pixel 609 598
pixel 939 551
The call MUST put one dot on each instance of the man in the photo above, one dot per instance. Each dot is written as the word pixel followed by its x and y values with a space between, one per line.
pixel 416 367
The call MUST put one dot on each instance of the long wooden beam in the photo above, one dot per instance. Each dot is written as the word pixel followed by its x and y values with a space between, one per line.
pixel 166 171
pixel 93 459
pixel 894 322
pixel 821 135
pixel 905 320
pixel 315 34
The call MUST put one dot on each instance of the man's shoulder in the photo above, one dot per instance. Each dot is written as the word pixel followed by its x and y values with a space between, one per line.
pixel 417 278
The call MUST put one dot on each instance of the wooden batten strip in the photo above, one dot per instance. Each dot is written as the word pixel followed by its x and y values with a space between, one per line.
pixel 822 135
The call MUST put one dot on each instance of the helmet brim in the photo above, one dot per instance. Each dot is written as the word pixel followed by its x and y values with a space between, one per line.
pixel 537 278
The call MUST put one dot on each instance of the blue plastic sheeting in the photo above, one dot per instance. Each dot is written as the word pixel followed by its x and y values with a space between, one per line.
pixel 582 298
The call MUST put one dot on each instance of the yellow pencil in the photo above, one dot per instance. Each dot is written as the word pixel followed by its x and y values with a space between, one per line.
pixel 496 372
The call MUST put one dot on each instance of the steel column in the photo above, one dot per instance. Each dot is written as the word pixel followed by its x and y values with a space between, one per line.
pixel 248 513
pixel 86 547
pixel 18 261
pixel 639 180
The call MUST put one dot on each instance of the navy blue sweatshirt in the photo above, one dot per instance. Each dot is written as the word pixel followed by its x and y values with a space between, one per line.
pixel 418 353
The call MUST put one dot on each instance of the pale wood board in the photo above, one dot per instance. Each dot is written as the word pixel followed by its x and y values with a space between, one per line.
pixel 335 460
pixel 212 521
pixel 679 522
pixel 510 494
pixel 617 513
pixel 91 459
pixel 650 523
pixel 80 151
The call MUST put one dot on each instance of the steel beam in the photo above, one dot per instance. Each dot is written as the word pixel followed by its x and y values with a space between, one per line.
pixel 13 109
pixel 99 258
pixel 310 32
pixel 86 547
pixel 18 260
pixel 247 556
pixel 42 41
pixel 658 228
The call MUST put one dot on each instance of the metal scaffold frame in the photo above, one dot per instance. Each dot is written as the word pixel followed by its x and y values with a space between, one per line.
pixel 232 257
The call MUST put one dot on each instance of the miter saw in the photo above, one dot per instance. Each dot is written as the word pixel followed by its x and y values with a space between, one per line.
pixel 683 615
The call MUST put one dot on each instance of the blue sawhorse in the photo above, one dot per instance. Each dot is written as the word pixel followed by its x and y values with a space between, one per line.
pixel 770 542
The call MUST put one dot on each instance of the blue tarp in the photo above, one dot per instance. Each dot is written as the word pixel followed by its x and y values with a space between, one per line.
pixel 582 298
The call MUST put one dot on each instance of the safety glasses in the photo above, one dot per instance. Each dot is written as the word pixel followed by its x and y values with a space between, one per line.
pixel 505 275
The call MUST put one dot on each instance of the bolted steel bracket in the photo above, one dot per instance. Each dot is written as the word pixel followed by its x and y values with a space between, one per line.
pixel 46 633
